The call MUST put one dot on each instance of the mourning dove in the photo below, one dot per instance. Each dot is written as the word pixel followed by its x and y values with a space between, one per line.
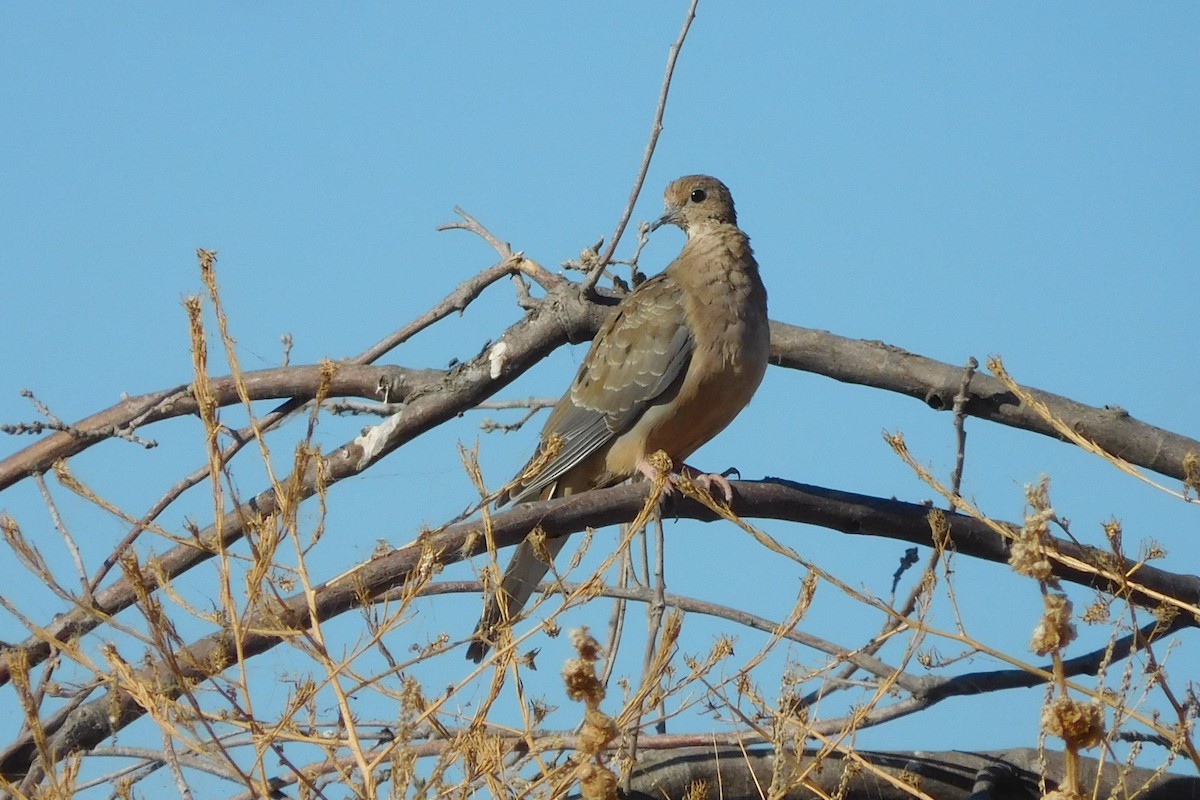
pixel 675 363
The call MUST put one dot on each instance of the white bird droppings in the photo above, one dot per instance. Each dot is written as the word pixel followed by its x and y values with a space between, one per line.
pixel 496 359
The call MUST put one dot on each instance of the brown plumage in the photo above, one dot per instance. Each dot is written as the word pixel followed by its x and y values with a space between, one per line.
pixel 675 363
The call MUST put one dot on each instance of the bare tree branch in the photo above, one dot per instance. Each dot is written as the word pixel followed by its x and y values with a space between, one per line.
pixel 856 361
pixel 954 775
pixel 298 384
pixel 885 366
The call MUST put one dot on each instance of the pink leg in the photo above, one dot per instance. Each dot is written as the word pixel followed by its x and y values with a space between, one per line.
pixel 651 473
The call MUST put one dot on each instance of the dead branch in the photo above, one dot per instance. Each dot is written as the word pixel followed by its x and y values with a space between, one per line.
pixel 953 775
pixel 936 384
pixel 291 383
pixel 857 361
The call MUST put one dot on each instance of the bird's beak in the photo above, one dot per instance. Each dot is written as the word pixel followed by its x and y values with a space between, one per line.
pixel 671 217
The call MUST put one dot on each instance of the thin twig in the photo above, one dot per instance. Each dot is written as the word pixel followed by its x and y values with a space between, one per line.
pixel 654 618
pixel 455 302
pixel 55 424
pixel 890 625
pixel 654 613
pixel 172 760
pixel 960 431
pixel 519 264
pixel 469 223
pixel 63 531
pixel 361 408
pixel 692 605
pixel 532 403
pixel 489 425
pixel 589 283
pixel 616 621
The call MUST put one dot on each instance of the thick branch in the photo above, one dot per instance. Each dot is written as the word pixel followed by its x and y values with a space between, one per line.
pixel 566 314
pixel 135 412
pixel 884 366
pixel 953 775
pixel 858 361
pixel 292 383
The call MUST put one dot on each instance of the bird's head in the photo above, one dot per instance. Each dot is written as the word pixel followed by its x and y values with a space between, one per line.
pixel 696 201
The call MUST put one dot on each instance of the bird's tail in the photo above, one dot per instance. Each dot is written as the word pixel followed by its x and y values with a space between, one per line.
pixel 516 587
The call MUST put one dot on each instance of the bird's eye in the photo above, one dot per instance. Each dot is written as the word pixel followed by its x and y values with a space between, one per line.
pixel 699 195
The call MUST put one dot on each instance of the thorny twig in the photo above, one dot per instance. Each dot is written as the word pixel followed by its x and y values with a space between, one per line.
pixel 55 424
pixel 520 265
pixel 489 425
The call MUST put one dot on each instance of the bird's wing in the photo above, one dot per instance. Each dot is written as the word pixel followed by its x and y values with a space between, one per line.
pixel 636 359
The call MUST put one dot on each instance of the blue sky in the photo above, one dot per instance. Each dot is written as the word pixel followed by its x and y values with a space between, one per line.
pixel 954 179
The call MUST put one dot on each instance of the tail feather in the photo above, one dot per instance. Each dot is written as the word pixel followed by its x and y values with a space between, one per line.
pixel 520 581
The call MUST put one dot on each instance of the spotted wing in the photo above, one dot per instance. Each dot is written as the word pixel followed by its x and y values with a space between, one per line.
pixel 637 358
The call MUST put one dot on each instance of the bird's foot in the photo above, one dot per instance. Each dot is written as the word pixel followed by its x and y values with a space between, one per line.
pixel 658 468
pixel 710 481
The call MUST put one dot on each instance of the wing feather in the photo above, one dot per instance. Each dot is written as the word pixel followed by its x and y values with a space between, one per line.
pixel 636 360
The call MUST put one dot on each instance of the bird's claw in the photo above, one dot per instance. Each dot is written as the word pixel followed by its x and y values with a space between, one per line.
pixel 710 481
pixel 713 483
